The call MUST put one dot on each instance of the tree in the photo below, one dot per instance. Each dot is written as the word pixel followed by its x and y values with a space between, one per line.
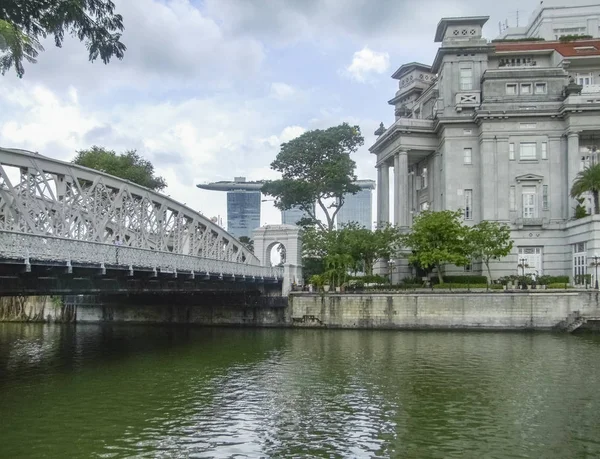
pixel 247 243
pixel 24 22
pixel 366 246
pixel 489 240
pixel 316 167
pixel 588 180
pixel 437 238
pixel 129 166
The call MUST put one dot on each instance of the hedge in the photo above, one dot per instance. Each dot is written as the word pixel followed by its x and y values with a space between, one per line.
pixel 559 285
pixel 452 285
pixel 462 280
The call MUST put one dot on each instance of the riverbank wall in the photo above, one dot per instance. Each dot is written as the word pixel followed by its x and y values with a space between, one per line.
pixel 540 310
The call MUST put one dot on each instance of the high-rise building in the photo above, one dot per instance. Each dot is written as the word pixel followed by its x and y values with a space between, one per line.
pixel 294 215
pixel 357 207
pixel 243 205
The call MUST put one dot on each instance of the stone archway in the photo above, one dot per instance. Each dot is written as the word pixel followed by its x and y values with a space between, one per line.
pixel 267 237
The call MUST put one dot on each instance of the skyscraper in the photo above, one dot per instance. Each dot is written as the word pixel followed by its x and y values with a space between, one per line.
pixel 357 207
pixel 294 215
pixel 243 204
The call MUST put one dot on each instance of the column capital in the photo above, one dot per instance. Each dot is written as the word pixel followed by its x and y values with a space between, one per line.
pixel 402 152
pixel 573 133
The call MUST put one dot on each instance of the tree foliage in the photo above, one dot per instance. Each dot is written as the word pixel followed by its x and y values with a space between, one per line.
pixel 23 23
pixel 247 243
pixel 316 167
pixel 588 180
pixel 437 238
pixel 129 166
pixel 489 240
pixel 350 248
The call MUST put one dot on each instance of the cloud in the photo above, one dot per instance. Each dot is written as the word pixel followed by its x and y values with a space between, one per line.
pixel 282 91
pixel 365 62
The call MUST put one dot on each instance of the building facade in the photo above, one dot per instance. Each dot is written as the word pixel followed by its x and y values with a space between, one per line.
pixel 358 208
pixel 243 205
pixel 553 19
pixel 499 130
pixel 294 215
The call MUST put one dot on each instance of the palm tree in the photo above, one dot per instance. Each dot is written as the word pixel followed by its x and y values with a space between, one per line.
pixel 588 180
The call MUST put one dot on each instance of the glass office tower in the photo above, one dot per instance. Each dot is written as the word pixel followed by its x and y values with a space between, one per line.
pixel 294 215
pixel 358 207
pixel 243 212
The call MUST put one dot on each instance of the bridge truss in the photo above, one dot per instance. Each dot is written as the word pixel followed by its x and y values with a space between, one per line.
pixel 44 197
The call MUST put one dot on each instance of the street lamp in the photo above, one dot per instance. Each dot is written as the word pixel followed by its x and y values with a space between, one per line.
pixel 522 264
pixel 390 269
pixel 596 271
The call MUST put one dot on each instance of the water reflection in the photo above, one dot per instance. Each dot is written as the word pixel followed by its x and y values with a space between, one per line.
pixel 138 391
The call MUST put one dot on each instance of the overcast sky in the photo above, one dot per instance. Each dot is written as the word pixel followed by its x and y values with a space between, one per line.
pixel 208 89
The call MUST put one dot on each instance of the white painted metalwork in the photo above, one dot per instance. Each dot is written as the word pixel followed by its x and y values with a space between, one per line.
pixel 46 197
pixel 29 247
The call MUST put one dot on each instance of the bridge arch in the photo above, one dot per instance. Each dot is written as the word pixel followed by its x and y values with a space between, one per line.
pixel 47 197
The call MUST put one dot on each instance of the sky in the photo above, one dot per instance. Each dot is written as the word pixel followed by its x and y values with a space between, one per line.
pixel 209 89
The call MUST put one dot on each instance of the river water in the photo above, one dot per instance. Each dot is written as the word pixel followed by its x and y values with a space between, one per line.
pixel 175 392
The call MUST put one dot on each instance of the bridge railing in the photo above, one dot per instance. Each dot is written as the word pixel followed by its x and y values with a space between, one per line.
pixel 22 246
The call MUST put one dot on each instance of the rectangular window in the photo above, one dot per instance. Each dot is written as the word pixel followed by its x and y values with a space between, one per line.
pixel 545 197
pixel 511 89
pixel 529 202
pixel 544 150
pixel 512 198
pixel 468 204
pixel 585 79
pixel 466 79
pixel 526 89
pixel 527 151
pixel 540 88
pixel 424 177
pixel 511 151
pixel 468 156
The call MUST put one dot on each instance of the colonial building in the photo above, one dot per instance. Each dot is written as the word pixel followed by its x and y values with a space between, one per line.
pixel 499 130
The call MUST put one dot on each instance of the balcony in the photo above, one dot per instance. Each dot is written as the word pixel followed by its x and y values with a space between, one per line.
pixel 591 89
pixel 470 99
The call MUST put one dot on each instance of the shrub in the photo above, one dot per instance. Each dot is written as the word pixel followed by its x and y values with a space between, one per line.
pixel 456 285
pixel 463 280
pixel 547 280
pixel 566 38
pixel 558 285
pixel 372 279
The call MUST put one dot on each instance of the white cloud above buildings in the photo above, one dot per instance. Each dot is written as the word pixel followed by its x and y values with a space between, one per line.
pixel 366 62
pixel 209 89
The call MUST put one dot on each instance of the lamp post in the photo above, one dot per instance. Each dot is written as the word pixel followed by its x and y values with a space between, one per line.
pixel 390 269
pixel 596 271
pixel 522 262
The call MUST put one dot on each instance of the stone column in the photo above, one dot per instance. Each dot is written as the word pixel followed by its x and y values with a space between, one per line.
pixel 401 198
pixel 573 162
pixel 383 194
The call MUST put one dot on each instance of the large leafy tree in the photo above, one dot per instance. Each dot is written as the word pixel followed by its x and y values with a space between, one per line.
pixel 588 180
pixel 359 247
pixel 128 166
pixel 437 238
pixel 489 240
pixel 316 168
pixel 23 23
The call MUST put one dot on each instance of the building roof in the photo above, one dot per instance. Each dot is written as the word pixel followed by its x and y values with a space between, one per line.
pixel 408 67
pixel 445 22
pixel 569 49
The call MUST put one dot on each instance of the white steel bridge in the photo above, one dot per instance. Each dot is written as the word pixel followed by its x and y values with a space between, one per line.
pixel 55 213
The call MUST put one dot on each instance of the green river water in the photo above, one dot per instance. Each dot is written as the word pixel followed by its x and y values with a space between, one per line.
pixel 90 391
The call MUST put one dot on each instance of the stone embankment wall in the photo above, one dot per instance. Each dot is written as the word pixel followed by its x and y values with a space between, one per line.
pixel 508 311
pixel 36 309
